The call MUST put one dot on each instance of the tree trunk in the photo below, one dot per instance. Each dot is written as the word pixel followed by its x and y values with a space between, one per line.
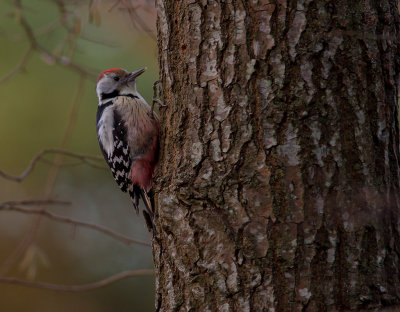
pixel 277 187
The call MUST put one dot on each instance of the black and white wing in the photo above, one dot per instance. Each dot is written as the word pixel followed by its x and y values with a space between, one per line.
pixel 119 159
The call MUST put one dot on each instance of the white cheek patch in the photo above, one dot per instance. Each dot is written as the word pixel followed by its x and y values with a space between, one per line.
pixel 106 127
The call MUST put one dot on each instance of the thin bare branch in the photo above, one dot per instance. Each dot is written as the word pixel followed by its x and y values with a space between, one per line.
pixel 42 212
pixel 63 61
pixel 51 178
pixel 19 68
pixel 72 164
pixel 114 5
pixel 26 172
pixel 77 288
pixel 22 21
pixel 34 202
pixel 46 54
pixel 87 159
pixel 47 28
pixel 135 18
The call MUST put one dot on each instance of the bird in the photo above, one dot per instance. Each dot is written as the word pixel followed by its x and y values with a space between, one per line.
pixel 128 135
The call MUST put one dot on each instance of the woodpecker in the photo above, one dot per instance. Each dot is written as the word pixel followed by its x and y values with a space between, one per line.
pixel 128 135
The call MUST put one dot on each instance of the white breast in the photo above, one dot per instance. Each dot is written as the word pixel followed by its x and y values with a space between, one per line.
pixel 106 126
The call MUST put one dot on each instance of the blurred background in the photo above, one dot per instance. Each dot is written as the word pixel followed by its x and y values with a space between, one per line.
pixel 51 52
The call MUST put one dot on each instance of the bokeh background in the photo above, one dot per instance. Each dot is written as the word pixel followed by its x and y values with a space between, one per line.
pixel 47 105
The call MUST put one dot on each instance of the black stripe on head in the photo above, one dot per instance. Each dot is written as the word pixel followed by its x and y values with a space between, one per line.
pixel 130 95
pixel 111 95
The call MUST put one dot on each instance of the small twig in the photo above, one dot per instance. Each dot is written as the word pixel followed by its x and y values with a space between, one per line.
pixel 19 68
pixel 63 61
pixel 22 21
pixel 33 202
pixel 73 164
pixel 47 28
pixel 44 52
pixel 26 172
pixel 127 240
pixel 26 241
pixel 114 5
pixel 84 158
pixel 103 43
pixel 76 288
pixel 63 15
pixel 134 17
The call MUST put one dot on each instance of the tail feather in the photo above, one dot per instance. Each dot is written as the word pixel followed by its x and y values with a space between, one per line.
pixel 134 193
pixel 136 202
pixel 148 200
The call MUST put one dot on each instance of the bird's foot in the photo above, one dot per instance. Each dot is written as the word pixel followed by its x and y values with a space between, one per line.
pixel 156 96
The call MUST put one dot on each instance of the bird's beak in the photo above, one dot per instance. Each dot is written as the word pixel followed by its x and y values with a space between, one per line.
pixel 133 75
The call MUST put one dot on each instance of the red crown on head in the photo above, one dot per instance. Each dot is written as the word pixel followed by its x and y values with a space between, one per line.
pixel 111 70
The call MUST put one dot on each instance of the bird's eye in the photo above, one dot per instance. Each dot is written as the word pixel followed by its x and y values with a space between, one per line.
pixel 116 78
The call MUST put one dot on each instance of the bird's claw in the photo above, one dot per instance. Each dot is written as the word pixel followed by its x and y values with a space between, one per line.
pixel 156 96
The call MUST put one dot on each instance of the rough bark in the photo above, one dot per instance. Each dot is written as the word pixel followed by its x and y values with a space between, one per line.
pixel 278 182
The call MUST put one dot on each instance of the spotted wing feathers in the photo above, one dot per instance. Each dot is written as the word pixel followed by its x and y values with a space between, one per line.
pixel 120 161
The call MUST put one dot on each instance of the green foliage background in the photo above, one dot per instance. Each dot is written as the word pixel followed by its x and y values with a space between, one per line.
pixel 35 110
